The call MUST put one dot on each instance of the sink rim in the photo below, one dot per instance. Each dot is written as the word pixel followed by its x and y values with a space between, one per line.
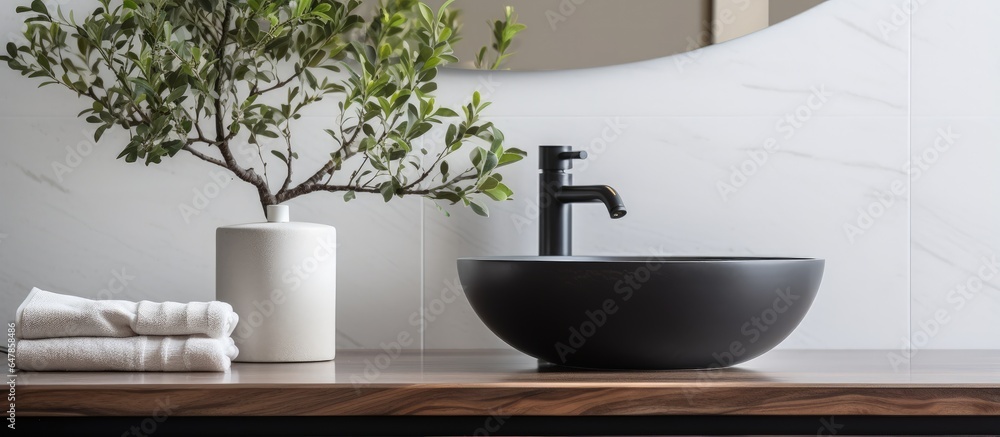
pixel 638 259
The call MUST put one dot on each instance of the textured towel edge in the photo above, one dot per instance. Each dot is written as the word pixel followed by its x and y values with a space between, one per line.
pixel 18 316
pixel 153 354
pixel 234 319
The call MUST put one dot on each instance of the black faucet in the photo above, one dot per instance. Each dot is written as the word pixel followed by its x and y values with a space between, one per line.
pixel 555 194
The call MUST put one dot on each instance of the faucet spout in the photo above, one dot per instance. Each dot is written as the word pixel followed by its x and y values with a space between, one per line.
pixel 556 195
pixel 593 193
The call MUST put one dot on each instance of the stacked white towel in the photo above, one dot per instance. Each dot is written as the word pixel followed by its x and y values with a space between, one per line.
pixel 61 332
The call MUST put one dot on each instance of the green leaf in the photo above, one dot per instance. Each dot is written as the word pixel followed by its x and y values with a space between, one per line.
pixel 130 4
pixel 322 8
pixel 172 147
pixel 489 183
pixel 428 87
pixel 176 94
pixel 442 9
pixel 280 156
pixel 318 58
pixel 509 158
pixel 387 191
pixel 376 162
pixel 426 13
pixel 420 129
pixel 39 6
pixel 476 156
pixel 445 112
pixel 479 209
pixel 302 7
pixel 446 195
pixel 499 193
pixel 445 34
pixel 349 196
pixel 99 132
pixel 490 163
pixel 449 137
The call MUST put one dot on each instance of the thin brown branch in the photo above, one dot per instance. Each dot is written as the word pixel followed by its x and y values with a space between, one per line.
pixel 221 138
pixel 469 174
pixel 280 84
pixel 303 190
pixel 330 165
pixel 358 170
pixel 220 56
pixel 445 152
pixel 203 156
pixel 288 160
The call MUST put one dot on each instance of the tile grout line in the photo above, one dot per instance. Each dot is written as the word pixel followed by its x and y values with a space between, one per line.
pixel 423 264
pixel 909 205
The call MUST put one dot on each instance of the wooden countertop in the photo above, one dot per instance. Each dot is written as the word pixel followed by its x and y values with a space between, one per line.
pixel 460 383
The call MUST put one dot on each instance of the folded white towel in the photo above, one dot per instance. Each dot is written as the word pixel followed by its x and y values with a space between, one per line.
pixel 128 354
pixel 48 315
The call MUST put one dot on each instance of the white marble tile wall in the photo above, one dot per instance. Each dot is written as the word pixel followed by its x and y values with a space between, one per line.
pixel 863 96
pixel 956 193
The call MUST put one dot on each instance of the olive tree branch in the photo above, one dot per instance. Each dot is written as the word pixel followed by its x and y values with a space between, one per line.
pixel 420 192
pixel 221 137
pixel 288 159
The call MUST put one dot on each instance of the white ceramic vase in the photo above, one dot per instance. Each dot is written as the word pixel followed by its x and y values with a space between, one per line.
pixel 280 278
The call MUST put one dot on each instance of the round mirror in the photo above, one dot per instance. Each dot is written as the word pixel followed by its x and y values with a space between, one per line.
pixel 563 34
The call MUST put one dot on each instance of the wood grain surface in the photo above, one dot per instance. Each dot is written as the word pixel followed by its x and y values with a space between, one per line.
pixel 506 383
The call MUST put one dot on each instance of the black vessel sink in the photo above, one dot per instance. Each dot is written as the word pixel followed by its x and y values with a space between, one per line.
pixel 641 312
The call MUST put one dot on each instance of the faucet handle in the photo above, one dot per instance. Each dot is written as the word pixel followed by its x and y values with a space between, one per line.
pixel 573 155
pixel 558 157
